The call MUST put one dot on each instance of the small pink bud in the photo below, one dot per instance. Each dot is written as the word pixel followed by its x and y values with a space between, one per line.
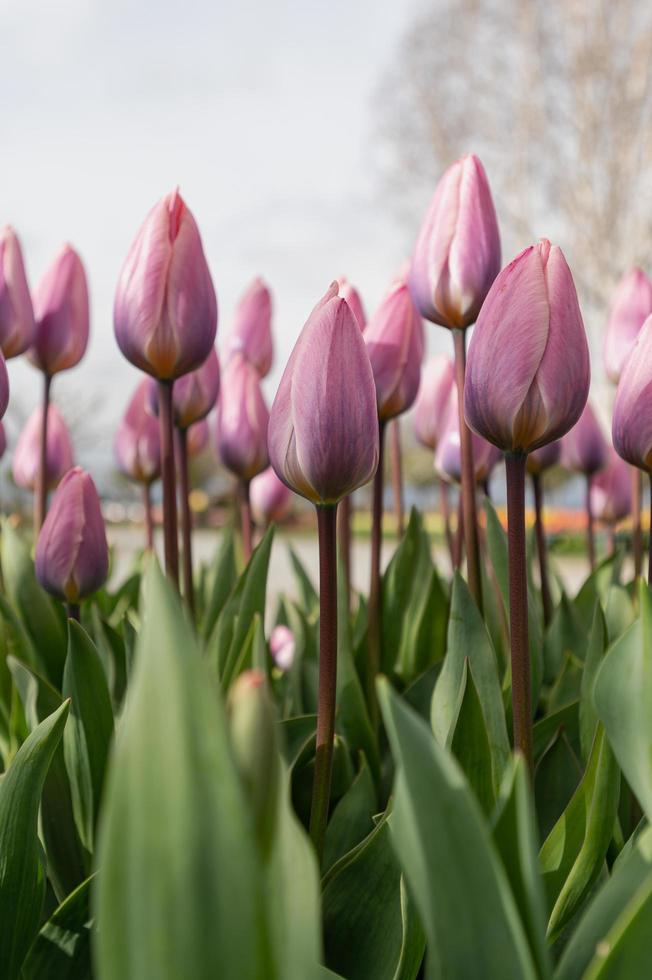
pixel 611 491
pixel 137 443
pixel 17 325
pixel 27 454
pixel 395 346
pixel 252 328
pixel 270 498
pixel 437 380
pixel 584 449
pixel 62 315
pixel 198 435
pixel 282 646
pixel 242 419
pixel 630 307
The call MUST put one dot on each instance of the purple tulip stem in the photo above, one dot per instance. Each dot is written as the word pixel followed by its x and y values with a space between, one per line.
pixel 321 787
pixel 72 610
pixel 344 542
pixel 149 525
pixel 649 546
pixel 186 521
pixel 397 475
pixel 590 535
pixel 637 537
pixel 520 654
pixel 446 518
pixel 374 627
pixel 542 549
pixel 41 493
pixel 468 476
pixel 245 517
pixel 170 540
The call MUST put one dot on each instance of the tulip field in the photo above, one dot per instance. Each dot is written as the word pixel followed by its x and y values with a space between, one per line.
pixel 447 774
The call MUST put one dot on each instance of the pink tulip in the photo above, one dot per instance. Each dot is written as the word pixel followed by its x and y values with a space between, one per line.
pixel 437 381
pixel 544 458
pixel 632 415
pixel 611 491
pixel 270 498
pixel 62 315
pixel 457 254
pixel 59 455
pixel 631 305
pixel 17 325
pixel 528 370
pixel 3 440
pixel 395 345
pixel 198 435
pixel 448 455
pixel 252 328
pixel 137 443
pixel 323 428
pixel 584 449
pixel 242 420
pixel 72 555
pixel 281 647
pixel 165 312
pixel 194 395
pixel 351 295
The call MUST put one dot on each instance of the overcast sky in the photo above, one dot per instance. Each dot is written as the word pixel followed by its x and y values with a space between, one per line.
pixel 263 113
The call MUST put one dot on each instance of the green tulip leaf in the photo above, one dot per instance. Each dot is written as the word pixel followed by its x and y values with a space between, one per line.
pixel 223 577
pixel 62 949
pixel 595 652
pixel 352 818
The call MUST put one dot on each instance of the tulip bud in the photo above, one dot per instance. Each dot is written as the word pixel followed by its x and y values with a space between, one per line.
pixel 632 415
pixel 27 454
pixel 197 438
pixel 457 254
pixel 72 556
pixel 584 449
pixel 528 371
pixel 448 455
pixel 193 395
pixel 282 647
pixel 437 381
pixel 3 440
pixel 62 315
pixel 17 326
pixel 254 740
pixel 270 498
pixel 544 458
pixel 351 296
pixel 631 305
pixel 252 328
pixel 611 491
pixel 323 428
pixel 242 420
pixel 137 443
pixel 394 343
pixel 165 312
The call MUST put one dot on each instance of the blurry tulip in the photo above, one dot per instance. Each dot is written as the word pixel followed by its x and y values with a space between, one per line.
pixel 437 381
pixel 457 254
pixel 26 459
pixel 62 315
pixel 193 395
pixel 3 440
pixel 165 312
pixel 242 420
pixel 630 307
pixel 448 455
pixel 72 556
pixel 251 334
pixel 270 498
pixel 4 386
pixel 611 491
pixel 351 295
pixel 528 368
pixel 198 437
pixel 137 443
pixel 323 428
pixel 544 458
pixel 584 449
pixel 632 415
pixel 17 325
pixel 282 646
pixel 394 343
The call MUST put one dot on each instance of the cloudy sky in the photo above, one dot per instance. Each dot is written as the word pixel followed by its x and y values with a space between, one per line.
pixel 263 113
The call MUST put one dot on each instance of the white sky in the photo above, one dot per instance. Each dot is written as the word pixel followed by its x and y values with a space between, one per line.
pixel 263 113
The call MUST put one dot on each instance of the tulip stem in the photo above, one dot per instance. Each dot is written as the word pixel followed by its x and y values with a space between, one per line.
pixel 245 517
pixel 186 521
pixel 397 474
pixel 468 476
pixel 542 549
pixel 321 787
pixel 637 537
pixel 590 536
pixel 344 543
pixel 72 610
pixel 41 492
pixel 149 526
pixel 649 543
pixel 374 620
pixel 518 624
pixel 170 540
pixel 446 518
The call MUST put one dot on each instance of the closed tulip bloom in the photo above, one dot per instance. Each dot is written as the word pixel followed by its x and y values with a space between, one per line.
pixel 631 305
pixel 282 646
pixel 448 455
pixel 528 370
pixel 59 453
pixel 242 420
pixel 198 436
pixel 437 381
pixel 270 498
pixel 350 294
pixel 17 325
pixel 72 556
pixel 395 346
pixel 611 491
pixel 137 443
pixel 457 254
pixel 3 440
pixel 584 449
pixel 544 458
pixel 194 394
pixel 632 414
pixel 62 315
pixel 165 311
pixel 252 328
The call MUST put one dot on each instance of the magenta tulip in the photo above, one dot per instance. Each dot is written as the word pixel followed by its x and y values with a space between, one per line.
pixel 350 294
pixel 251 334
pixel 62 314
pixel 17 324
pixel 242 420
pixel 611 491
pixel 3 440
pixel 137 443
pixel 198 437
pixel 544 458
pixel 630 307
pixel 72 556
pixel 194 395
pixel 448 456
pixel 281 647
pixel 393 339
pixel 26 459
pixel 270 498
pixel 584 449
pixel 632 415
pixel 430 410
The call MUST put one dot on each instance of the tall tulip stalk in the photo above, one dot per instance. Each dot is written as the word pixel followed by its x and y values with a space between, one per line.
pixel 527 383
pixel 324 448
pixel 585 451
pixel 537 463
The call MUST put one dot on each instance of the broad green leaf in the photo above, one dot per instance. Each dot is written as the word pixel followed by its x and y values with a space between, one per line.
pixel 622 695
pixel 414 939
pixel 89 730
pixel 403 575
pixel 497 547
pixel 18 640
pixel 556 777
pixel 546 728
pixel 423 639
pixel 308 595
pixel 298 738
pixel 62 949
pixel 619 611
pixel 594 654
pixel 22 877
pixel 566 636
pixel 597 585
pixel 179 889
pixel 470 743
pixel 111 649
pixel 352 818
pixel 452 868
pixel 223 577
